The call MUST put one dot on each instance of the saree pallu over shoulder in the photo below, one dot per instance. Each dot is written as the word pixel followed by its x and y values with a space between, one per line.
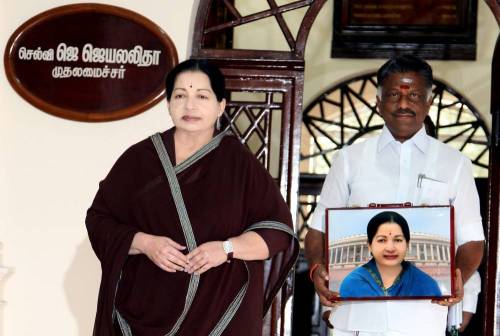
pixel 220 192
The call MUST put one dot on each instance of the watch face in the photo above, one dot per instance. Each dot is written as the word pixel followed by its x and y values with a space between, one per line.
pixel 227 246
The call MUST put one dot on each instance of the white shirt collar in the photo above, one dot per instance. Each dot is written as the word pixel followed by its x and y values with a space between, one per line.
pixel 420 139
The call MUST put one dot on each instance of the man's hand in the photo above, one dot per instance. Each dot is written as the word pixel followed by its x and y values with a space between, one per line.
pixel 459 292
pixel 320 279
pixel 326 318
pixel 466 317
pixel 314 243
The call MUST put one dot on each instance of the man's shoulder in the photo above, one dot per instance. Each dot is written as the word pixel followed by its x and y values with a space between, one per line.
pixel 447 152
pixel 357 148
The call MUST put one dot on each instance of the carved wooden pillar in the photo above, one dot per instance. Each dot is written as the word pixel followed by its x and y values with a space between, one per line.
pixel 265 90
pixel 490 281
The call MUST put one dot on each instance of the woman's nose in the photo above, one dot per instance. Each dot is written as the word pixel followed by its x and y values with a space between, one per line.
pixel 190 103
pixel 389 246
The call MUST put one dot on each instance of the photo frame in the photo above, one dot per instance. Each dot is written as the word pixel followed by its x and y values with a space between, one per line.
pixel 427 259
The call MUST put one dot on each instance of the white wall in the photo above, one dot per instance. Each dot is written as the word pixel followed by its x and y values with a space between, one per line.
pixel 49 171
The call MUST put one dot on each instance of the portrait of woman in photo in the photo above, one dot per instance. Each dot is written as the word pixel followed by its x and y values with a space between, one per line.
pixel 184 223
pixel 387 273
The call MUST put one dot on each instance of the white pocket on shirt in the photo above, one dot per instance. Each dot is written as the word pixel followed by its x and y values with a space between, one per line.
pixel 434 192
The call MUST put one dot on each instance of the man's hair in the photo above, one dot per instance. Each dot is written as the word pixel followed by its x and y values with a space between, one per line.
pixel 405 63
pixel 215 76
pixel 387 217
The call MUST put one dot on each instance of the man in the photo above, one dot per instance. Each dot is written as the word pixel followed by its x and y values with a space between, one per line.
pixel 401 165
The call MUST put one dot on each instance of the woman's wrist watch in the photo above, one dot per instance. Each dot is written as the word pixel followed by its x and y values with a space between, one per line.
pixel 228 249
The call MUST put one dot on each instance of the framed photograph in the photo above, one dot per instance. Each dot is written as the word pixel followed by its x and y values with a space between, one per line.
pixel 391 252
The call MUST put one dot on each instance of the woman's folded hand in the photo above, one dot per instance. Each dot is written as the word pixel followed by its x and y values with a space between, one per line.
pixel 205 256
pixel 163 251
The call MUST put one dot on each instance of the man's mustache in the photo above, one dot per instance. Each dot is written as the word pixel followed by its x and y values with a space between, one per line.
pixel 406 111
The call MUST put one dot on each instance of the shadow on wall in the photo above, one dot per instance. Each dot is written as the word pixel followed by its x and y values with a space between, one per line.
pixel 81 285
pixel 5 273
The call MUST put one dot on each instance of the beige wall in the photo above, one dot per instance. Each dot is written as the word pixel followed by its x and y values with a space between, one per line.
pixel 49 171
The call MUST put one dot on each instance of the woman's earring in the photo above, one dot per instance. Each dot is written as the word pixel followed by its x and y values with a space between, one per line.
pixel 217 124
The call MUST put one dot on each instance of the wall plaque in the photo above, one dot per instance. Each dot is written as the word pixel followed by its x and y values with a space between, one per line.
pixel 89 62
pixel 432 29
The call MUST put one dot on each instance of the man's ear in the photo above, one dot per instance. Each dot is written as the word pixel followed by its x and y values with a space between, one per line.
pixel 378 103
pixel 429 100
pixel 429 104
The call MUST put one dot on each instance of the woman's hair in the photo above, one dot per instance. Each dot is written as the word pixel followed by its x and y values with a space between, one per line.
pixel 387 217
pixel 193 65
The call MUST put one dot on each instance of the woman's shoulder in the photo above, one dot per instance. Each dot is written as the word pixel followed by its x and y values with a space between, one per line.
pixel 231 141
pixel 146 144
pixel 356 284
pixel 136 150
pixel 421 275
pixel 138 153
pixel 233 146
pixel 426 284
pixel 356 274
pixel 415 269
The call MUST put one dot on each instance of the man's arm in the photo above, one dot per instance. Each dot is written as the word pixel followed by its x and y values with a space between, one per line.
pixel 314 248
pixel 469 257
pixel 469 230
pixel 334 193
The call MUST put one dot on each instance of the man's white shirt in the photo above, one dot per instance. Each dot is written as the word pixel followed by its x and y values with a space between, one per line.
pixel 422 171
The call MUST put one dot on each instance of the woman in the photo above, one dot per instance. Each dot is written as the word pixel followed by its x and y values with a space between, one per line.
pixel 183 222
pixel 387 273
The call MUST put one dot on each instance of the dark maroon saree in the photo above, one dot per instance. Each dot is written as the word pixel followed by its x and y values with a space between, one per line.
pixel 225 191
